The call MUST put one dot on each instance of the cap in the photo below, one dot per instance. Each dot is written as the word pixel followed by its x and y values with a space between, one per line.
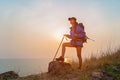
pixel 72 18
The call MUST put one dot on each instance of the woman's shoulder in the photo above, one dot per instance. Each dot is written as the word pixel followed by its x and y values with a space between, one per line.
pixel 79 28
pixel 81 25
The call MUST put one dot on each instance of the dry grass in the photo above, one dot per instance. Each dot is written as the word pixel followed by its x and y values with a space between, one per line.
pixel 89 65
pixel 106 58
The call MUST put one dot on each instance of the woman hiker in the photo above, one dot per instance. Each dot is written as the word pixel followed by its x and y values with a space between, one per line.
pixel 77 36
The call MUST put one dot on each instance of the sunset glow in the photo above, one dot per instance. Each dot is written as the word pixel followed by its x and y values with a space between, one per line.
pixel 34 28
pixel 45 39
pixel 58 34
pixel 68 60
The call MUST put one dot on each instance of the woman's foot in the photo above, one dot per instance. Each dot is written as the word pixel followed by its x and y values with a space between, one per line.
pixel 60 59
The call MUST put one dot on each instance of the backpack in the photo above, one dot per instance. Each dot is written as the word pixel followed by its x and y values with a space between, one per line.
pixel 84 39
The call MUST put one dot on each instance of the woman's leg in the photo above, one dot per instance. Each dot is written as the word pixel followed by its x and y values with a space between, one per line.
pixel 64 45
pixel 79 49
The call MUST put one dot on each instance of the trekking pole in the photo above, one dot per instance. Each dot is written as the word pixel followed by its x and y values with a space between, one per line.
pixel 58 48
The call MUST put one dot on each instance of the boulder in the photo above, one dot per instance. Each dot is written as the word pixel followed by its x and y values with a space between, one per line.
pixel 8 75
pixel 56 67
pixel 101 75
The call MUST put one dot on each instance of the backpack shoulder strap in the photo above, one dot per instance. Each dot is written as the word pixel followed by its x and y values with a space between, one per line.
pixel 81 25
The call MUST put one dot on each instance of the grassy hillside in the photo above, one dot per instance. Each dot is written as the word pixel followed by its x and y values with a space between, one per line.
pixel 109 63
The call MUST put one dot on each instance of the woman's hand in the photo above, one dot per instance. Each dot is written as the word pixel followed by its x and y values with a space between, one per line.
pixel 66 35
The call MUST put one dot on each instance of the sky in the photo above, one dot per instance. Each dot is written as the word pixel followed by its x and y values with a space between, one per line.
pixel 34 28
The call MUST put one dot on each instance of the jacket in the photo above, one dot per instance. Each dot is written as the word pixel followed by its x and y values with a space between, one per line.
pixel 77 35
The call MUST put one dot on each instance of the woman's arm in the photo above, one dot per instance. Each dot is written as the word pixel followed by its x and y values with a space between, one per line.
pixel 68 36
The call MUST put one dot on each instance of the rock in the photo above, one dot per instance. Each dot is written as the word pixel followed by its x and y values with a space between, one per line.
pixel 8 75
pixel 101 75
pixel 56 67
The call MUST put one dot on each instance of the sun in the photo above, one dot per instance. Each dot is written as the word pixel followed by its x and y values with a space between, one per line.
pixel 68 60
pixel 59 34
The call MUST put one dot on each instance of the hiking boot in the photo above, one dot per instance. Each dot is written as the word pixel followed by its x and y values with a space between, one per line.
pixel 60 59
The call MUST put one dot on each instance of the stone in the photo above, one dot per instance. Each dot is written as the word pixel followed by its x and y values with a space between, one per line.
pixel 56 67
pixel 8 75
pixel 101 75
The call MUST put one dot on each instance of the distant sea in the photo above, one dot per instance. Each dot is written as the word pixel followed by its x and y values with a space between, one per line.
pixel 24 67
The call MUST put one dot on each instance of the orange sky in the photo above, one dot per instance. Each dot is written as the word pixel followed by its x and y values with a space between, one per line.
pixel 34 29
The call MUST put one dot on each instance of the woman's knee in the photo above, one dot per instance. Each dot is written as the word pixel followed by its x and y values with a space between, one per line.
pixel 64 45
